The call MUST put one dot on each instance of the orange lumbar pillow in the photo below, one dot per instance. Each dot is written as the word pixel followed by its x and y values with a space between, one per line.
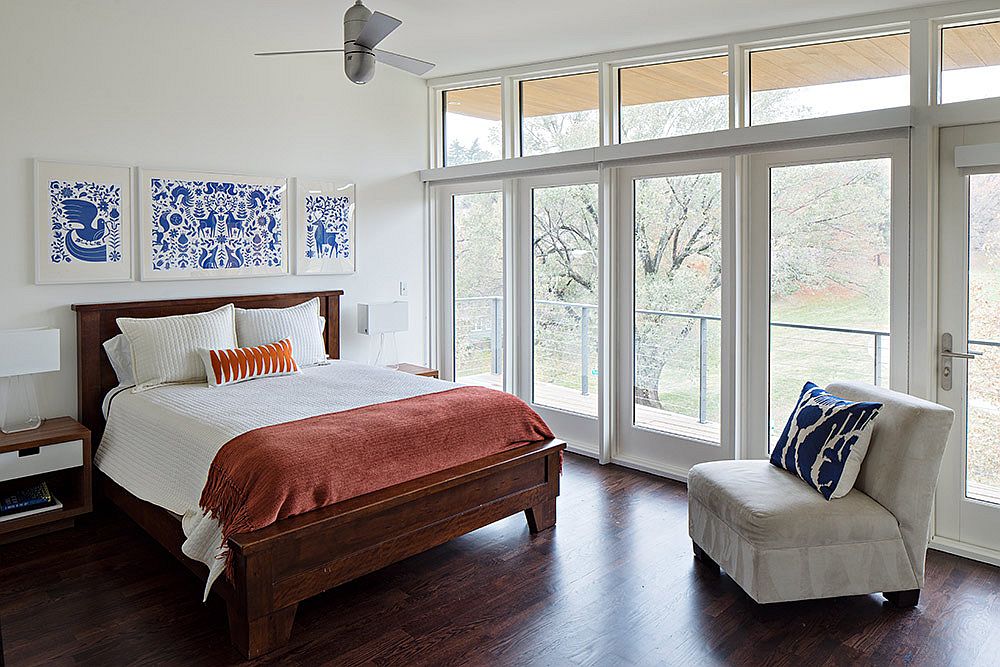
pixel 246 363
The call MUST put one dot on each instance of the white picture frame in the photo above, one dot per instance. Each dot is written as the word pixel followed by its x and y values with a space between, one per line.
pixel 83 223
pixel 325 227
pixel 201 225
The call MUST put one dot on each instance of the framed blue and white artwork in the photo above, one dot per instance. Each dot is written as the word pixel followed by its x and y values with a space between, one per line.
pixel 83 223
pixel 324 227
pixel 207 225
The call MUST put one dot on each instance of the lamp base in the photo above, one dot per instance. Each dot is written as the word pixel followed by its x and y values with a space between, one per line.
pixel 388 354
pixel 20 406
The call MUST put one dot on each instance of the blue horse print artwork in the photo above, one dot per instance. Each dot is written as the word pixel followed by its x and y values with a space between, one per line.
pixel 207 226
pixel 83 223
pixel 86 222
pixel 328 227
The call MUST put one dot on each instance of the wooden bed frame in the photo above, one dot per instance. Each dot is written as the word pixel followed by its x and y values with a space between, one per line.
pixel 275 568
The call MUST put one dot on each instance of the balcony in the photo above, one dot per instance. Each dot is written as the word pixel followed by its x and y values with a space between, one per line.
pixel 682 349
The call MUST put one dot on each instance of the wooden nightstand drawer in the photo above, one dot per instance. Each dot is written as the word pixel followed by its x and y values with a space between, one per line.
pixel 35 461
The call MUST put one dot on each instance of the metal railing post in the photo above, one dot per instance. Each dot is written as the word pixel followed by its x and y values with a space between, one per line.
pixel 584 350
pixel 878 360
pixel 496 353
pixel 703 370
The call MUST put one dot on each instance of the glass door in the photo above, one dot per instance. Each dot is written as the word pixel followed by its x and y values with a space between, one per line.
pixel 829 265
pixel 559 315
pixel 968 504
pixel 676 352
pixel 471 242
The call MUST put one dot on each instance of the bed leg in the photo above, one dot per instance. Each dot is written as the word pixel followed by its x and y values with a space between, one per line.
pixel 255 637
pixel 542 516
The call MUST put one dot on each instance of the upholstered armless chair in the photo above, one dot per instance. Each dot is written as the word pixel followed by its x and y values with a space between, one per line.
pixel 780 540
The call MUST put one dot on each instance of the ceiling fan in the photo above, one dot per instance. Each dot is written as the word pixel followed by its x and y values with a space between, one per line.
pixel 363 30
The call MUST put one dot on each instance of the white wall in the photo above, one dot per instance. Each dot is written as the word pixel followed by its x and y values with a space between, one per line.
pixel 174 85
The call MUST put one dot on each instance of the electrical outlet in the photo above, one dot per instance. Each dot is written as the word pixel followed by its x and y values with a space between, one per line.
pixel 403 289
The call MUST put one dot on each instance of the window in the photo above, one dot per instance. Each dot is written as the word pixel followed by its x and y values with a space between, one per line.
pixel 677 239
pixel 477 220
pixel 671 99
pixel 983 438
pixel 830 233
pixel 471 125
pixel 829 79
pixel 559 114
pixel 564 275
pixel 970 62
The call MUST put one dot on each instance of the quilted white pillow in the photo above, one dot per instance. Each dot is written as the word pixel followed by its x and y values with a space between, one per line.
pixel 300 324
pixel 165 349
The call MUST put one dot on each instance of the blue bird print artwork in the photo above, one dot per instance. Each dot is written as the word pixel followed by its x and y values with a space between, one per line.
pixel 215 225
pixel 85 221
pixel 328 227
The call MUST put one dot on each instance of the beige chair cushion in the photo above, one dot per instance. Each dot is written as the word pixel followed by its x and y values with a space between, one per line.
pixel 772 509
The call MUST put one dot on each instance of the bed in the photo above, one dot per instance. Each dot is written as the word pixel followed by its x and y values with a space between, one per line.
pixel 274 568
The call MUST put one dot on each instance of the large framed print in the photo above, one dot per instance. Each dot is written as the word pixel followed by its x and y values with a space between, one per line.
pixel 324 227
pixel 211 225
pixel 83 223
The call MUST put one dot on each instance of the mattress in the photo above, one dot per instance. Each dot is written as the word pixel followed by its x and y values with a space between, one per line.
pixel 159 444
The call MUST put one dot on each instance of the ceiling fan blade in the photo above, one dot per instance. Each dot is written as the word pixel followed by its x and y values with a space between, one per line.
pixel 405 63
pixel 376 29
pixel 295 53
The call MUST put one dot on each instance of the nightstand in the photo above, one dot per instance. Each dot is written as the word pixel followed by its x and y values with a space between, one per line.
pixel 57 452
pixel 414 369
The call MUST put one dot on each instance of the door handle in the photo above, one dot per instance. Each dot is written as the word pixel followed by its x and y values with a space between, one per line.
pixel 971 354
pixel 947 354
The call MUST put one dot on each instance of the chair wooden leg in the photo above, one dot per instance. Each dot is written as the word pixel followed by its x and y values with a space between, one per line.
pixel 903 599
pixel 542 516
pixel 255 637
pixel 704 558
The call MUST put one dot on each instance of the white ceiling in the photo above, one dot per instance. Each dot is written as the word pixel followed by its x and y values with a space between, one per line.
pixel 471 35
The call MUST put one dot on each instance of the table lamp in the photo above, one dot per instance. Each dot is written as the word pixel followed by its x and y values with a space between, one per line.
pixel 382 319
pixel 24 352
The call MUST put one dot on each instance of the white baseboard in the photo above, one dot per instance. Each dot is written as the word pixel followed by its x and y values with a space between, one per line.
pixel 970 551
pixel 675 473
pixel 634 462
pixel 582 450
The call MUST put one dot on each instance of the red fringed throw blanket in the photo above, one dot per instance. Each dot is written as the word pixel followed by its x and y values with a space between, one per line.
pixel 275 472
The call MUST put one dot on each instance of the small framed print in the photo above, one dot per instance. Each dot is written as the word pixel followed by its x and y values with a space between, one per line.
pixel 206 225
pixel 324 227
pixel 83 223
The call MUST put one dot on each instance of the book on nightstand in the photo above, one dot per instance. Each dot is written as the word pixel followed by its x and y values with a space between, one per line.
pixel 31 500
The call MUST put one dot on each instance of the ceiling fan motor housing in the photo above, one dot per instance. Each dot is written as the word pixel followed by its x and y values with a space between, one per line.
pixel 359 62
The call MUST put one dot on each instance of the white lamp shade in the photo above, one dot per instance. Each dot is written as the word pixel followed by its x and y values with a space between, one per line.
pixel 374 318
pixel 27 351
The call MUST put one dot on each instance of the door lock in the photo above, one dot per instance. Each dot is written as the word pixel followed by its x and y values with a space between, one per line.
pixel 947 356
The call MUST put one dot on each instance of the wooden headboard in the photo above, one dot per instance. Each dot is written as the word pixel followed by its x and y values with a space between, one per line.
pixel 95 323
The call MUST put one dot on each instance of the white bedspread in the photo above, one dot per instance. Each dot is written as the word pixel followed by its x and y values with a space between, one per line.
pixel 159 444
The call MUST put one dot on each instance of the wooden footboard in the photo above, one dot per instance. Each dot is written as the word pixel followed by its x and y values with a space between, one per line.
pixel 277 567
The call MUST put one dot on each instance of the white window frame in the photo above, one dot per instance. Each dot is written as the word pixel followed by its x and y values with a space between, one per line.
pixel 746 50
pixel 444 356
pixel 615 68
pixel 514 92
pixel 635 445
pixel 582 431
pixel 758 275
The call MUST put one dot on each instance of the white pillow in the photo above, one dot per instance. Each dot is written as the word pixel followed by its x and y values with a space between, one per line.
pixel 120 355
pixel 300 324
pixel 165 349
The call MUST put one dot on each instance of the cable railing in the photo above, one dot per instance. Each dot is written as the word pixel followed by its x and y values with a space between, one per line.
pixel 491 329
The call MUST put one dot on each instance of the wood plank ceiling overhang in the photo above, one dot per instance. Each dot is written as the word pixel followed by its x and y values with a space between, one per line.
pixel 771 69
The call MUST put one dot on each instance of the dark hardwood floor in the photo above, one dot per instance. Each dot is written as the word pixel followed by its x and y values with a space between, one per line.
pixel 614 584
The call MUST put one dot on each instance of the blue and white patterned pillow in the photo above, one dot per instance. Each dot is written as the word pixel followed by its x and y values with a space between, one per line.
pixel 825 440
